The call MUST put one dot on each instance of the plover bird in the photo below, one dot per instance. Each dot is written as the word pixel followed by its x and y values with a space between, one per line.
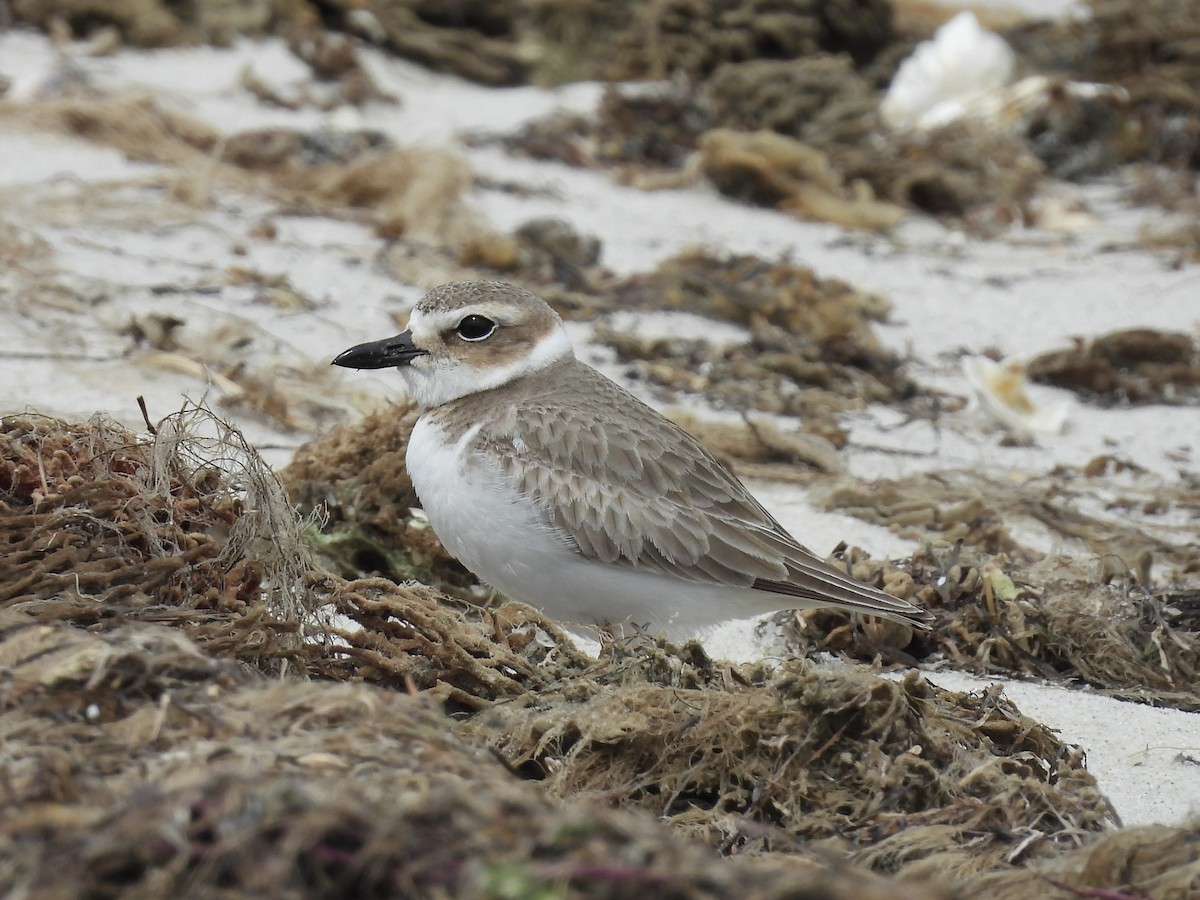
pixel 558 487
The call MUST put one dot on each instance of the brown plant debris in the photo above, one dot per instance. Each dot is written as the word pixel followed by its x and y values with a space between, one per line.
pixel 1053 620
pixel 746 289
pixel 202 777
pixel 136 124
pixel 503 43
pixel 619 40
pixel 1100 618
pixel 995 512
pixel 355 475
pixel 782 127
pixel 769 169
pixel 192 530
pixel 1149 49
pixel 284 150
pixel 697 36
pixel 401 191
pixel 543 249
pixel 159 737
pixel 1131 367
pixel 1152 861
pixel 242 362
pixel 844 170
pixel 101 527
pixel 811 350
pixel 820 100
pixel 949 171
pixel 801 754
pixel 655 127
pixel 340 75
pixel 405 192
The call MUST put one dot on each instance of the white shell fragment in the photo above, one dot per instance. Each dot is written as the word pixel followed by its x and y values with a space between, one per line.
pixel 1000 391
pixel 966 72
pixel 947 76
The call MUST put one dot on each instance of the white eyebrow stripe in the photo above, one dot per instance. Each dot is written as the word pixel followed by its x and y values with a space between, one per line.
pixel 447 319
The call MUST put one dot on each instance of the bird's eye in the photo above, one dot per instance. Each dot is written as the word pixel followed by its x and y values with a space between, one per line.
pixel 475 328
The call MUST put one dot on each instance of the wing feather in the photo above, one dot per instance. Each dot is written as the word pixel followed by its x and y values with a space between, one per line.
pixel 626 486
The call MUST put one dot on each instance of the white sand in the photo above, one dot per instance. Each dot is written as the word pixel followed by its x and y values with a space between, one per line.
pixel 1022 293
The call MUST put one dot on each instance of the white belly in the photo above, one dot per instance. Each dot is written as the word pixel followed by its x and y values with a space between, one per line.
pixel 499 535
pixel 476 514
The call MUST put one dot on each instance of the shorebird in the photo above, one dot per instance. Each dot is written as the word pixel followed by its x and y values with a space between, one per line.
pixel 556 486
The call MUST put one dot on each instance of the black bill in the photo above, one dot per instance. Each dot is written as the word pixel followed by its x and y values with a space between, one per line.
pixel 394 351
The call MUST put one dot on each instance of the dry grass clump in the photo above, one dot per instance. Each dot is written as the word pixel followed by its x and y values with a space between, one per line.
pixel 191 529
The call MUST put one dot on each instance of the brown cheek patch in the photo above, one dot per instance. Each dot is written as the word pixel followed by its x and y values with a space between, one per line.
pixel 509 343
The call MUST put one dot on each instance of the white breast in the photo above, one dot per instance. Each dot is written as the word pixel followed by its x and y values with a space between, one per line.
pixel 477 513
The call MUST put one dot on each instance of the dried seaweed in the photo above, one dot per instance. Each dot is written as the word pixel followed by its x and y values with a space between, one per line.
pixel 797 755
pixel 1153 861
pixel 412 192
pixel 191 528
pixel 136 765
pixel 697 36
pixel 769 169
pixel 654 128
pixel 158 738
pixel 819 99
pixel 991 513
pixel 1053 620
pixel 1119 614
pixel 811 350
pixel 1150 50
pixel 505 43
pixel 1135 366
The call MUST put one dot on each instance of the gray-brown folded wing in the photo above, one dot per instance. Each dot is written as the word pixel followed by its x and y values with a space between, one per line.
pixel 638 491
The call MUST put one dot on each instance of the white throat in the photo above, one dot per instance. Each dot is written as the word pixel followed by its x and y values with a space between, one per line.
pixel 438 379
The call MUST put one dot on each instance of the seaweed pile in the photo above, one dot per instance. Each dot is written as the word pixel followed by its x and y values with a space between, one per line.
pixel 1134 367
pixel 1120 614
pixel 775 103
pixel 193 703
